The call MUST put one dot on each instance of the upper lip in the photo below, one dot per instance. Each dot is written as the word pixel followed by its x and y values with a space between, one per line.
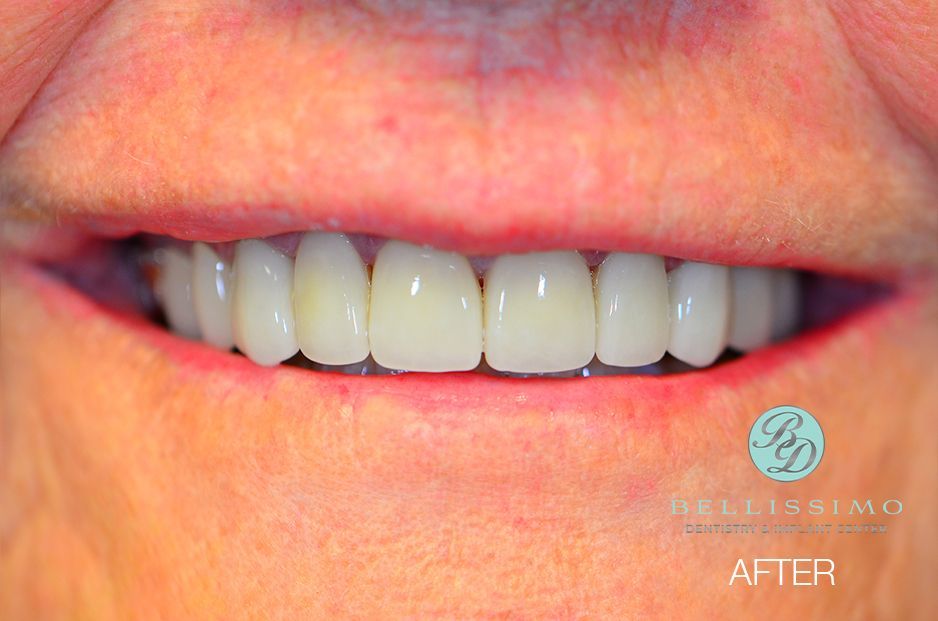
pixel 590 150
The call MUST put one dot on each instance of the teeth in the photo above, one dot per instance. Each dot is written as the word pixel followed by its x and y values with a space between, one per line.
pixel 211 295
pixel 422 309
pixel 426 310
pixel 262 305
pixel 173 287
pixel 331 300
pixel 751 311
pixel 631 310
pixel 539 313
pixel 700 301
pixel 787 304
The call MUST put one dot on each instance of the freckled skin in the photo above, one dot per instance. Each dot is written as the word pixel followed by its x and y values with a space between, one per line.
pixel 145 477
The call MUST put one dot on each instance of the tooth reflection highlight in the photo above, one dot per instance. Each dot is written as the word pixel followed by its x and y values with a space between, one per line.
pixel 211 295
pixel 539 313
pixel 331 300
pixel 751 313
pixel 426 310
pixel 173 288
pixel 631 310
pixel 700 302
pixel 262 307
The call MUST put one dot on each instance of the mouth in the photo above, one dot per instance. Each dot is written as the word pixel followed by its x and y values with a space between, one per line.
pixel 463 229
pixel 362 305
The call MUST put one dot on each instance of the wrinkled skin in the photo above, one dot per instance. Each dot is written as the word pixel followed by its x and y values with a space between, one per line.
pixel 142 476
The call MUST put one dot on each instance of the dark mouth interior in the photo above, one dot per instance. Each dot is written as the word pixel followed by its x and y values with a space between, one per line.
pixel 117 274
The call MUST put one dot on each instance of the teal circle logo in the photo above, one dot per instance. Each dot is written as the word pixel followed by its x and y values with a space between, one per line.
pixel 786 443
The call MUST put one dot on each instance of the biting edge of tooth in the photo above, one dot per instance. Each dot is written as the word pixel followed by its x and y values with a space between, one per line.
pixel 330 297
pixel 173 288
pixel 539 313
pixel 751 312
pixel 211 295
pixel 787 306
pixel 631 309
pixel 426 310
pixel 262 304
pixel 700 301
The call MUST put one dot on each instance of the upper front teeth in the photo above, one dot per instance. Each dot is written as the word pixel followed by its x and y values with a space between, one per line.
pixel 424 310
pixel 331 300
pixel 631 310
pixel 539 313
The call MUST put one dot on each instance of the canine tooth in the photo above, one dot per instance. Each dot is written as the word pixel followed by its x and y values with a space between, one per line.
pixel 211 295
pixel 751 308
pixel 426 310
pixel 539 313
pixel 173 287
pixel 262 303
pixel 700 299
pixel 787 303
pixel 330 297
pixel 631 310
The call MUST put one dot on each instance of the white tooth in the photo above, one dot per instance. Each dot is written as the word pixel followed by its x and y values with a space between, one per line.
pixel 751 308
pixel 631 310
pixel 787 303
pixel 173 288
pixel 699 296
pixel 539 313
pixel 211 295
pixel 330 297
pixel 262 303
pixel 426 310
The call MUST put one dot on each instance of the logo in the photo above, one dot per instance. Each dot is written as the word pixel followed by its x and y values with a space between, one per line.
pixel 786 443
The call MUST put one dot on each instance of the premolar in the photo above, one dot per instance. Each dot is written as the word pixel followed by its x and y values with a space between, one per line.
pixel 426 310
pixel 751 313
pixel 173 288
pixel 211 295
pixel 263 319
pixel 787 311
pixel 539 313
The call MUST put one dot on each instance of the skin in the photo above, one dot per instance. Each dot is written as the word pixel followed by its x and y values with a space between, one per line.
pixel 144 476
